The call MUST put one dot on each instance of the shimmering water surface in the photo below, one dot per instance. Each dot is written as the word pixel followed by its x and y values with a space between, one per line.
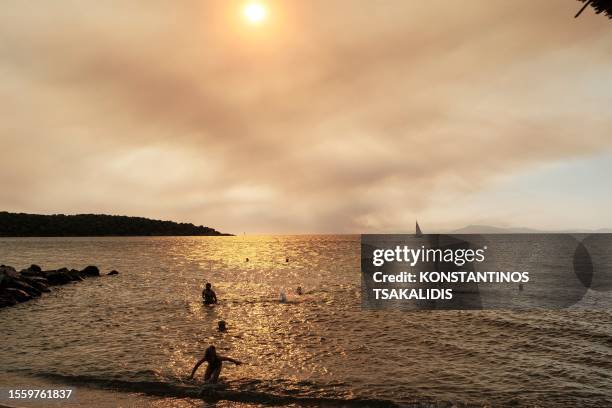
pixel 139 333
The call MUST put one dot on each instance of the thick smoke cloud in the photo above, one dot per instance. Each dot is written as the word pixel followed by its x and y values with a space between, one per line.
pixel 338 116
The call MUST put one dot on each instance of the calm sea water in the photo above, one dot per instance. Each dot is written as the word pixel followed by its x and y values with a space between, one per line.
pixel 132 339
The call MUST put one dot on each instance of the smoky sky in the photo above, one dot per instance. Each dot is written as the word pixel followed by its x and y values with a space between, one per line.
pixel 332 116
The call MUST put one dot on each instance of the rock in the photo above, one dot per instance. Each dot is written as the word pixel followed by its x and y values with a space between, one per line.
pixel 39 283
pixel 35 268
pixel 57 277
pixel 18 294
pixel 90 271
pixel 24 286
pixel 9 278
pixel 8 271
pixel 113 272
pixel 28 274
pixel 75 275
pixel 62 276
pixel 31 272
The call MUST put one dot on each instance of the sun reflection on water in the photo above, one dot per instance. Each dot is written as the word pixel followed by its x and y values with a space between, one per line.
pixel 148 325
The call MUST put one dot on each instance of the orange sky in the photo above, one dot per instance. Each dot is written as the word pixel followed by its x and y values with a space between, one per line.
pixel 330 116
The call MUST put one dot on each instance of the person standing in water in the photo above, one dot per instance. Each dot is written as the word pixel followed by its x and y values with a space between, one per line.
pixel 215 362
pixel 208 295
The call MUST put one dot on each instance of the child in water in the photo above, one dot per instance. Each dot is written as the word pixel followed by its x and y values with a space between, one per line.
pixel 208 295
pixel 215 362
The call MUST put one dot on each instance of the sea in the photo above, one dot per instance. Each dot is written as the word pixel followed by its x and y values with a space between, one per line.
pixel 131 340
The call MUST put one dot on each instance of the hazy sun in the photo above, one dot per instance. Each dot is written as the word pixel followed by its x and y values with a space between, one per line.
pixel 255 13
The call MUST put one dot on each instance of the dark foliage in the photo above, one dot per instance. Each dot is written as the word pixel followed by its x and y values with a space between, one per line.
pixel 81 225
pixel 600 6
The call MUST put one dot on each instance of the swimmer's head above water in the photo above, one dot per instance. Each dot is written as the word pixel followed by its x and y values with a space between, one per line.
pixel 210 353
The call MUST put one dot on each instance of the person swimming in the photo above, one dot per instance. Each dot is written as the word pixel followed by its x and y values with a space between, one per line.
pixel 222 327
pixel 215 363
pixel 299 291
pixel 209 297
pixel 283 296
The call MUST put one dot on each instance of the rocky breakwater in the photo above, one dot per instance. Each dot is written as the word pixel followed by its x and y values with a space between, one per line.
pixel 30 283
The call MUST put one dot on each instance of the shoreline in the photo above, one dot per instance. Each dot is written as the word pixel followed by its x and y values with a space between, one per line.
pixel 84 395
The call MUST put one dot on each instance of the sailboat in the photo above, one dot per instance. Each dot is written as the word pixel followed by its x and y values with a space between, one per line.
pixel 418 232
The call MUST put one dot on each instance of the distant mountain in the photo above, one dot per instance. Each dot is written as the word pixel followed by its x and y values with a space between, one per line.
pixel 82 225
pixel 488 229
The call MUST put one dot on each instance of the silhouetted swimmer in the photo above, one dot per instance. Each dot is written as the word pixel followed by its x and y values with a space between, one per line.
pixel 299 290
pixel 215 362
pixel 286 259
pixel 222 326
pixel 520 286
pixel 246 260
pixel 209 297
pixel 283 296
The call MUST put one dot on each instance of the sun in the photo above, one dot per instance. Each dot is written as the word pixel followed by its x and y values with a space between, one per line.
pixel 255 13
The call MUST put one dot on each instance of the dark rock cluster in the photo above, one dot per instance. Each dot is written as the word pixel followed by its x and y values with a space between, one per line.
pixel 16 287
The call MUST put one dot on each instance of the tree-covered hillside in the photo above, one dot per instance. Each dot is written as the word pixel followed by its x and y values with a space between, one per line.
pixel 60 225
